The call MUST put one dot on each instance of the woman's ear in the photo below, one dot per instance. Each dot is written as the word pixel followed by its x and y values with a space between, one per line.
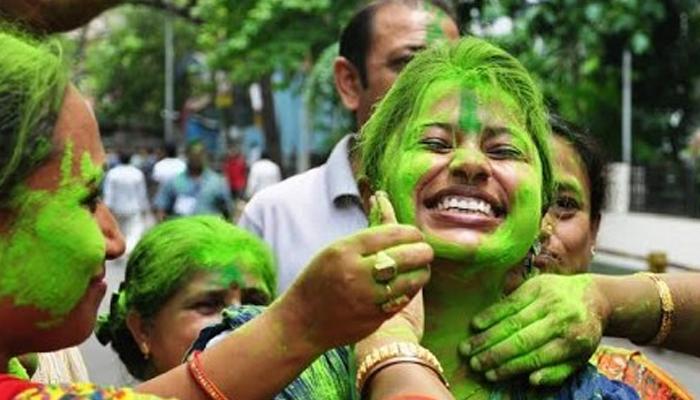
pixel 140 331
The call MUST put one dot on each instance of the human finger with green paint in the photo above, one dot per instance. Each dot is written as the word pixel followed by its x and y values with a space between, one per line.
pixel 550 325
pixel 358 293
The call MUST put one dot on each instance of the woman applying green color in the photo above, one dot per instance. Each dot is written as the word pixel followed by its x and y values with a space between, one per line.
pixel 460 144
pixel 55 234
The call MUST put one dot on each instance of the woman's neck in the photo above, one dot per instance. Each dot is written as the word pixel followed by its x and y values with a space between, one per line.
pixel 452 298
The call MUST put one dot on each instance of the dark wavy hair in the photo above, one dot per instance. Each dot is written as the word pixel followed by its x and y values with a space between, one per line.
pixel 592 155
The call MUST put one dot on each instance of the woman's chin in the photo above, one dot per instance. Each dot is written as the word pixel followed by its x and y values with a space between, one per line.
pixel 448 247
pixel 79 324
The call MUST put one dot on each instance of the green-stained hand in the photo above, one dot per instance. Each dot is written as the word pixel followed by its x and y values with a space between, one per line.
pixel 409 324
pixel 337 299
pixel 547 328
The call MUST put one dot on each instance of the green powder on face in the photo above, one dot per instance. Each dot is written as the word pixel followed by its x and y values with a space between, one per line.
pixel 468 119
pixel 55 245
pixel 510 241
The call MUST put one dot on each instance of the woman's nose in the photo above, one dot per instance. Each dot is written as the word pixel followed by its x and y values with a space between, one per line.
pixel 114 240
pixel 470 165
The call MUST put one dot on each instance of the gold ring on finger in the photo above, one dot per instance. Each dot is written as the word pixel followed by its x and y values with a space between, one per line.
pixel 394 305
pixel 385 268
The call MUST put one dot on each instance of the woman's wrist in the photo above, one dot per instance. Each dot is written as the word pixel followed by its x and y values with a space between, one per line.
pixel 603 284
pixel 391 384
pixel 634 309
pixel 293 324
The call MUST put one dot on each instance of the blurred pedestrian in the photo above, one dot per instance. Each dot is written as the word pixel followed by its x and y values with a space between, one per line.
pixel 263 173
pixel 167 167
pixel 235 170
pixel 197 190
pixel 125 195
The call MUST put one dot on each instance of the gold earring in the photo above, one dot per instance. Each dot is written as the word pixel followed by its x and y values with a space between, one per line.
pixel 145 350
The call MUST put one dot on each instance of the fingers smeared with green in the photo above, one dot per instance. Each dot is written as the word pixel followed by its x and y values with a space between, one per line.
pixel 547 329
pixel 410 257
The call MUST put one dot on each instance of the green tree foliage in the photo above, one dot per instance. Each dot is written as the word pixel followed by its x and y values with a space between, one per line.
pixel 124 69
pixel 253 38
pixel 575 49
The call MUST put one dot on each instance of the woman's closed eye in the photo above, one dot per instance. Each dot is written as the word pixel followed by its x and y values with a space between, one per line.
pixel 505 152
pixel 209 306
pixel 566 206
pixel 437 144
pixel 92 199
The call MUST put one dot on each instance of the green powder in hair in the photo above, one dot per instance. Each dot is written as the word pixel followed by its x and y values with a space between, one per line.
pixel 172 251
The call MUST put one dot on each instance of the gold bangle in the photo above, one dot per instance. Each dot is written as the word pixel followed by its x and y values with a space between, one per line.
pixel 395 353
pixel 667 309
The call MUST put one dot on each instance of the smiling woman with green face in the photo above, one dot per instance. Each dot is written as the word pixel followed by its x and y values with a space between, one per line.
pixel 460 146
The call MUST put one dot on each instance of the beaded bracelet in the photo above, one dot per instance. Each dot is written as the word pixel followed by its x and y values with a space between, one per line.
pixel 667 309
pixel 194 365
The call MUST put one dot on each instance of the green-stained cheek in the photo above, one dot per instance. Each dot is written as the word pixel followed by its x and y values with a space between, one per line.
pixel 55 246
pixel 504 247
pixel 401 185
pixel 509 243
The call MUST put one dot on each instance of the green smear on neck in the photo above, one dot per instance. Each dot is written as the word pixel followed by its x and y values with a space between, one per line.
pixel 54 246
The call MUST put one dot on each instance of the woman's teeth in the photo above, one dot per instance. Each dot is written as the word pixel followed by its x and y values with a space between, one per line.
pixel 465 204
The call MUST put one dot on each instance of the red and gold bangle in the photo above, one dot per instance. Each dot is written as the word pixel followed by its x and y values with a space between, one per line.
pixel 194 365
pixel 667 309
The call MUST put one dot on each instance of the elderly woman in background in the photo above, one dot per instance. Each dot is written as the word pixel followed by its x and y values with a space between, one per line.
pixel 179 278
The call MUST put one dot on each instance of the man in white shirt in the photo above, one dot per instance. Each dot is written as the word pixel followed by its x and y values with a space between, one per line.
pixel 168 167
pixel 306 212
pixel 263 173
pixel 125 195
